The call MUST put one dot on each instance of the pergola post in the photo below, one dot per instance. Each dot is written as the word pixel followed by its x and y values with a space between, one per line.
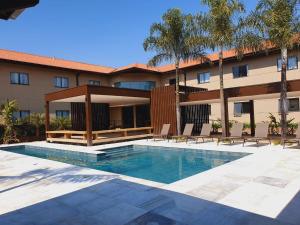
pixel 47 116
pixel 134 116
pixel 88 119
pixel 252 117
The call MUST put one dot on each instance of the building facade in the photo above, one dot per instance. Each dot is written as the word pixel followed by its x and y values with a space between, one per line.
pixel 27 78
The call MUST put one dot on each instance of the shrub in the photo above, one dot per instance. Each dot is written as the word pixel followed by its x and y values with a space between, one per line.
pixel 216 125
pixel 246 126
pixel 60 123
pixel 7 113
pixel 275 125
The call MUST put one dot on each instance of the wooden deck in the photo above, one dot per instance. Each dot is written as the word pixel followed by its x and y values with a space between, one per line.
pixel 99 137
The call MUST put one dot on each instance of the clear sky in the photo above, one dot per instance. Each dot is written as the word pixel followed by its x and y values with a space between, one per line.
pixel 103 32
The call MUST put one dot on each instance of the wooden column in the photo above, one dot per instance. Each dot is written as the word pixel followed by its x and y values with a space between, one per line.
pixel 134 116
pixel 252 117
pixel 47 116
pixel 88 119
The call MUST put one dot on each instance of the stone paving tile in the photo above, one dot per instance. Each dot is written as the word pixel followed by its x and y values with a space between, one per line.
pixel 78 198
pixel 276 182
pixel 153 219
pixel 118 215
pixel 96 206
pixel 213 192
pixel 171 211
pixel 155 202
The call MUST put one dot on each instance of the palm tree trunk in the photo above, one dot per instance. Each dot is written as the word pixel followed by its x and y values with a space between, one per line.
pixel 283 94
pixel 177 100
pixel 223 121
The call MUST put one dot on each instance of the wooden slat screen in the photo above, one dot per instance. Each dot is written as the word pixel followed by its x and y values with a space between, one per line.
pixel 196 114
pixel 163 109
pixel 100 116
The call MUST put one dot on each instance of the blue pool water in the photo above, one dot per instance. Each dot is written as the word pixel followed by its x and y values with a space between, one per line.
pixel 160 164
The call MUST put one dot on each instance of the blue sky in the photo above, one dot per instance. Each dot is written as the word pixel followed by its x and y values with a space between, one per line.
pixel 101 32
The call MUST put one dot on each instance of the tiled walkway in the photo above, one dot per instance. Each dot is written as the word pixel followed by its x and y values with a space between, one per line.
pixel 261 188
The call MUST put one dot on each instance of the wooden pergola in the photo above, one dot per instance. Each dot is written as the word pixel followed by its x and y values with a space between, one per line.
pixel 246 93
pixel 99 94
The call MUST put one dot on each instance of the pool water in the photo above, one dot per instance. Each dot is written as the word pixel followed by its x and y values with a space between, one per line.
pixel 160 164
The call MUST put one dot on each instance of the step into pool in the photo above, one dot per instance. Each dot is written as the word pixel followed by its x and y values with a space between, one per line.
pixel 160 164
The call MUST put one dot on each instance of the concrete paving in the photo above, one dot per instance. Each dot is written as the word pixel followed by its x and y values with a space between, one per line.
pixel 261 188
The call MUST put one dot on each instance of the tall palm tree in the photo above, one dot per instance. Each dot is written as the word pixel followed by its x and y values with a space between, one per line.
pixel 223 28
pixel 172 41
pixel 277 22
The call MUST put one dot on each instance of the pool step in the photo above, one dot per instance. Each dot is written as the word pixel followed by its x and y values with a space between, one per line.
pixel 120 152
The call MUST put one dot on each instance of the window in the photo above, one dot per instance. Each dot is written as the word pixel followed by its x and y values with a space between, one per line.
pixel 94 82
pixel 240 71
pixel 62 113
pixel 19 78
pixel 22 114
pixel 241 108
pixel 292 63
pixel 203 78
pixel 172 81
pixel 293 105
pixel 140 85
pixel 61 82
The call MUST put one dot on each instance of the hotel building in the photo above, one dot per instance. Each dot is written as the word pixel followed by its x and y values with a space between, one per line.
pixel 27 78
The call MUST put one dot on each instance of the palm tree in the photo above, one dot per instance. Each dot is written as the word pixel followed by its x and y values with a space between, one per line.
pixel 7 113
pixel 224 30
pixel 38 120
pixel 172 41
pixel 277 23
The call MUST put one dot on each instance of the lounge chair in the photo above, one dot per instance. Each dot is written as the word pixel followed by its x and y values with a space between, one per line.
pixel 205 132
pixel 187 133
pixel 261 133
pixel 164 134
pixel 236 133
pixel 293 140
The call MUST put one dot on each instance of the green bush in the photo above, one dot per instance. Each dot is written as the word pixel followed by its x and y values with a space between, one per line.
pixel 61 123
pixel 216 125
pixel 25 130
pixel 247 126
pixel 276 124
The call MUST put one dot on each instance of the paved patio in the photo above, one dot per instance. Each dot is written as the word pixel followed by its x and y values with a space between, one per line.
pixel 262 188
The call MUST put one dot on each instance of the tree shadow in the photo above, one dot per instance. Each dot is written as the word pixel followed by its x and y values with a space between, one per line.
pixel 70 174
pixel 117 202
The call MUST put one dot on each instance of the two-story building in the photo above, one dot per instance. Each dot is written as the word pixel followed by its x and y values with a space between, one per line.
pixel 27 78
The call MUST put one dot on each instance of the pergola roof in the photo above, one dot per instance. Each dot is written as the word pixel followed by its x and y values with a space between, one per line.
pixel 251 92
pixel 101 94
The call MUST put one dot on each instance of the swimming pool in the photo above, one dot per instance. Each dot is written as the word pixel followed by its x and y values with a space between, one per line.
pixel 160 164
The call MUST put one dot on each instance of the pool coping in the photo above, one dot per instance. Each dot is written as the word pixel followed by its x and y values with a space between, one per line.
pixel 127 177
pixel 99 149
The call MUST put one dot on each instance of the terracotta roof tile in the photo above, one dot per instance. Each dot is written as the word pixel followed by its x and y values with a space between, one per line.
pixel 136 66
pixel 48 61
pixel 61 63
